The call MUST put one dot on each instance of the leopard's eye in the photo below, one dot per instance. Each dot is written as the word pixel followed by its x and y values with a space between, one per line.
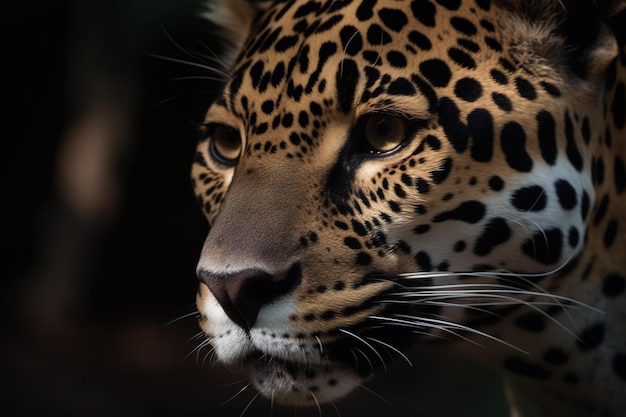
pixel 224 143
pixel 384 132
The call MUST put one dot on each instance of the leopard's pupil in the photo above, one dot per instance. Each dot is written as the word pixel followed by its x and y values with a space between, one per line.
pixel 384 127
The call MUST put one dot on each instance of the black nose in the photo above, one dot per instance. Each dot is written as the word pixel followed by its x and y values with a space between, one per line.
pixel 242 294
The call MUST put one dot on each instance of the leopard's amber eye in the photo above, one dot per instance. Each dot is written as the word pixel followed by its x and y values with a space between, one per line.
pixel 224 143
pixel 384 133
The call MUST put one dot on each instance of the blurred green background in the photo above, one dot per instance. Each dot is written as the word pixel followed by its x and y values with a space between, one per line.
pixel 100 231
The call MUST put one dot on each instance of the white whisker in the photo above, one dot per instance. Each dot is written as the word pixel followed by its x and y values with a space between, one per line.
pixel 184 316
pixel 236 394
pixel 387 345
pixel 360 339
pixel 249 404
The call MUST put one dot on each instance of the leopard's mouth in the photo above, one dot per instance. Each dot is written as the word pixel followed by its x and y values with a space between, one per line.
pixel 301 380
pixel 301 383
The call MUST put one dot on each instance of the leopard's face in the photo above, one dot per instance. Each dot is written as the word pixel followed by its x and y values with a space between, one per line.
pixel 372 172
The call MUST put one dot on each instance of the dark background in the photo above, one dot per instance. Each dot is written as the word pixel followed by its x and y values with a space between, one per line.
pixel 100 231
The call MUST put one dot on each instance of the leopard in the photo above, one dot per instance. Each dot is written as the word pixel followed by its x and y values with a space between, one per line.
pixel 384 174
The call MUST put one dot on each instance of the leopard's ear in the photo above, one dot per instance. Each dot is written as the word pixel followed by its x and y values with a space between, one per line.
pixel 234 20
pixel 580 37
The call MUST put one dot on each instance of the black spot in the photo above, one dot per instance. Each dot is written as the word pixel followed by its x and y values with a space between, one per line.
pixel 591 337
pixel 372 75
pixel 456 131
pixel 286 42
pixel 525 89
pixel 307 8
pixel 463 25
pixel 436 71
pixel 496 232
pixel 421 229
pixel 423 261
pixel 352 243
pixel 619 365
pixel 267 106
pixel 480 125
pixel 329 23
pixel 424 11
pixel 287 120
pixel 303 60
pixel 597 171
pixel 499 77
pixel 420 209
pixel 550 89
pixel 406 179
pixel 484 4
pixel 468 89
pixel 469 45
pixel 496 183
pixel 586 130
pixel 420 40
pixel 256 72
pixel 613 285
pixel 393 19
pixel 573 154
pixel 347 79
pixel 493 44
pixel 341 225
pixel 278 74
pixel 401 86
pixel 609 234
pixel 399 191
pixel 422 186
pixel 468 211
pixel 525 368
pixel 351 40
pixel 555 356
pixel 566 194
pixel 573 237
pixel 377 36
pixel 303 119
pixel 507 65
pixel 461 58
pixel 439 175
pixel 601 210
pixel 358 228
pixel 450 4
pixel 363 259
pixel 584 206
pixel 547 137
pixel 427 91
pixel 513 142
pixel 328 315
pixel 396 59
pixel 460 246
pixel 619 174
pixel 533 322
pixel 618 107
pixel 487 25
pixel 502 101
pixel 364 12
pixel 531 198
pixel 544 246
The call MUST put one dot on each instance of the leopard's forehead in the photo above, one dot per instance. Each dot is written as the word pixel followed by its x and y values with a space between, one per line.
pixel 369 55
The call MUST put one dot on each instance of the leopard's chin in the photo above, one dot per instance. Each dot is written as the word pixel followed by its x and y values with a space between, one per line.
pixel 302 384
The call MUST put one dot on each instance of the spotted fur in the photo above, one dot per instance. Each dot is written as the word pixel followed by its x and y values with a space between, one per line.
pixel 383 173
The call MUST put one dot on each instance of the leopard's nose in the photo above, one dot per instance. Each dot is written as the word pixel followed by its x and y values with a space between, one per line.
pixel 242 294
